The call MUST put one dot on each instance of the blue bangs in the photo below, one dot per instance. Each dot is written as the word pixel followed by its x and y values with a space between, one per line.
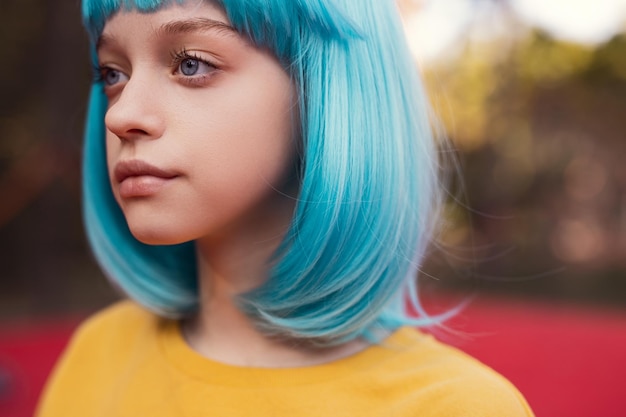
pixel 268 23
pixel 368 198
pixel 97 12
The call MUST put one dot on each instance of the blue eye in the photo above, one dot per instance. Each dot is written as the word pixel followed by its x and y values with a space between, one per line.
pixel 112 76
pixel 189 66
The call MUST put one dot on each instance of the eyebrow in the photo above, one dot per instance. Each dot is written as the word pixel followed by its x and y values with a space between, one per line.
pixel 181 27
pixel 199 24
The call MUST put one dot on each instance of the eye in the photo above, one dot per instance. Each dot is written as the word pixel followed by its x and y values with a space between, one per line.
pixel 111 76
pixel 190 65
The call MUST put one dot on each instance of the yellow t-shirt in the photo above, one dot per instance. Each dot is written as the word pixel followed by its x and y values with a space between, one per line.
pixel 126 362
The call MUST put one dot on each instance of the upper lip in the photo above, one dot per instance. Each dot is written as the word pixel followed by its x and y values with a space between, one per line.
pixel 136 167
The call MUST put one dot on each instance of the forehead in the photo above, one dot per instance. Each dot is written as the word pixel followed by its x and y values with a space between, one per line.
pixel 97 13
pixel 169 20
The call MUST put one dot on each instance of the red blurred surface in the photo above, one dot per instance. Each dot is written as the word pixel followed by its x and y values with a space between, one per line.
pixel 567 361
pixel 28 351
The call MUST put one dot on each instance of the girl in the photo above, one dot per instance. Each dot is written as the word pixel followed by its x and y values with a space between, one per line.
pixel 260 179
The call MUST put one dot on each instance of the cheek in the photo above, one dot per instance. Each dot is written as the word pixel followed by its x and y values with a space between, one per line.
pixel 248 135
pixel 241 167
pixel 254 126
pixel 113 148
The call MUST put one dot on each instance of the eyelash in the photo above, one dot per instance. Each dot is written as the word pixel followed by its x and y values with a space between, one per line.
pixel 97 73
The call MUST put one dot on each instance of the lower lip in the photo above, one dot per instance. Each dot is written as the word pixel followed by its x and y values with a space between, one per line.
pixel 142 186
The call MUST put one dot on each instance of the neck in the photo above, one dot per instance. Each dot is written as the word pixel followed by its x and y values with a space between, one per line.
pixel 221 332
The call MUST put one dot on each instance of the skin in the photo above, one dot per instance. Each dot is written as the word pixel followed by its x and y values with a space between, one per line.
pixel 217 116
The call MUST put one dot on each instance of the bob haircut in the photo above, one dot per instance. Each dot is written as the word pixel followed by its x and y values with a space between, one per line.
pixel 368 178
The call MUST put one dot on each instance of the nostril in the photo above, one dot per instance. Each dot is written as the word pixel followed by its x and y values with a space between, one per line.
pixel 137 132
pixel 130 135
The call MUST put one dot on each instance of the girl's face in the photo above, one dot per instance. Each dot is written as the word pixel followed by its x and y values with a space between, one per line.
pixel 200 126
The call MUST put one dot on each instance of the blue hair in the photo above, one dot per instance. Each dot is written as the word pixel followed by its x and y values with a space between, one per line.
pixel 368 197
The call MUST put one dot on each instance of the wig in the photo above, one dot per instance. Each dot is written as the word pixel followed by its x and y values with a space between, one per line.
pixel 368 194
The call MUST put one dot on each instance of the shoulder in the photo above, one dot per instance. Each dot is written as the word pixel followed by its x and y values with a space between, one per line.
pixel 449 381
pixel 101 348
pixel 112 331
pixel 123 315
pixel 116 323
pixel 112 336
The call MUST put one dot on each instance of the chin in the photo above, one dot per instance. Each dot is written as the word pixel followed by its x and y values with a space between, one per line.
pixel 151 235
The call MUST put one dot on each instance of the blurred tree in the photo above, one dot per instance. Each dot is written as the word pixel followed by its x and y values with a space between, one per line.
pixel 44 262
pixel 540 130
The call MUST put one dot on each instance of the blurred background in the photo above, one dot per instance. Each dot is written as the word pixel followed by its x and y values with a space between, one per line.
pixel 532 95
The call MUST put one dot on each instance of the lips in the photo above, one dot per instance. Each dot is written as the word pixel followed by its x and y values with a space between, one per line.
pixel 138 178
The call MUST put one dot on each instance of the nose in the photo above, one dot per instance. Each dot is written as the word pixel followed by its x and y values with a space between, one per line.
pixel 135 113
